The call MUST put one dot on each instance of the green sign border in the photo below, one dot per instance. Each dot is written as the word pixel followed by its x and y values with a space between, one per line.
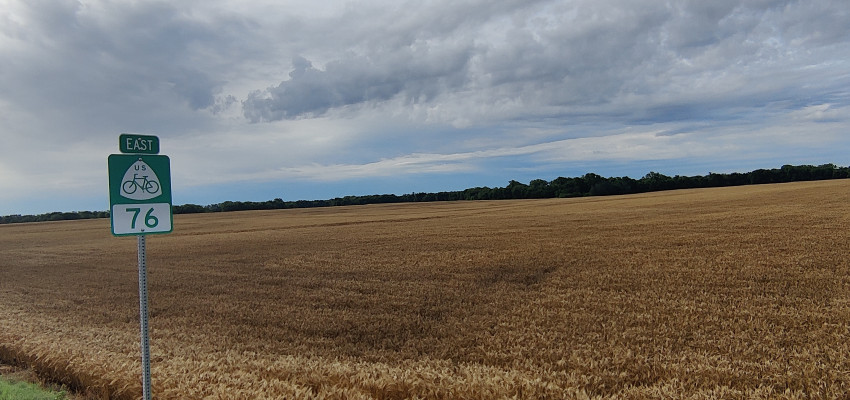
pixel 119 164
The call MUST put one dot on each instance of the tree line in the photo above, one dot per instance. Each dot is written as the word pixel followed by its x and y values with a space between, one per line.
pixel 587 185
pixel 53 216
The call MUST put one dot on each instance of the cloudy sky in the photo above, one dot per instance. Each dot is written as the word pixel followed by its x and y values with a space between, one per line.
pixel 318 99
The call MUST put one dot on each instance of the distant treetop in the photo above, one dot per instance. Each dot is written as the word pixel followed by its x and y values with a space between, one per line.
pixel 587 185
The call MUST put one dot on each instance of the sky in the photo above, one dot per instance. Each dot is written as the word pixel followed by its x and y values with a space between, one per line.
pixel 320 99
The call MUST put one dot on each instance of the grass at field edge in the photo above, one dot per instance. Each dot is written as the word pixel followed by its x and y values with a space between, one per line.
pixel 18 384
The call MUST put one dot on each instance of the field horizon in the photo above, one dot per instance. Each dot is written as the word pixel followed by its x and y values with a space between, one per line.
pixel 735 292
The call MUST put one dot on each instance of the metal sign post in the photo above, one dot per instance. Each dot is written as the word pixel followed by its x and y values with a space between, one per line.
pixel 140 204
pixel 143 319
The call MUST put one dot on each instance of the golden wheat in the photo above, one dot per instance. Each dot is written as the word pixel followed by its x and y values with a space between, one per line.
pixel 712 293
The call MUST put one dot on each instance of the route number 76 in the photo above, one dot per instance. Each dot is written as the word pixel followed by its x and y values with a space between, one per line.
pixel 151 221
pixel 141 218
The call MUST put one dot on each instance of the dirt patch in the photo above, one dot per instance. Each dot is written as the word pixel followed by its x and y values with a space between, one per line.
pixel 18 374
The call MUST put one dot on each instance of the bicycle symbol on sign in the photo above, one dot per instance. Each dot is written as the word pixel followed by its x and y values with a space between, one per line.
pixel 140 182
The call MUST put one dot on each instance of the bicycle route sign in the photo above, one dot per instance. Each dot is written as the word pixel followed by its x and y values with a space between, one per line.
pixel 140 193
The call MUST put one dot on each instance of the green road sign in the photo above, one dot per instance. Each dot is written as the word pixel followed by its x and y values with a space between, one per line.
pixel 140 194
pixel 138 144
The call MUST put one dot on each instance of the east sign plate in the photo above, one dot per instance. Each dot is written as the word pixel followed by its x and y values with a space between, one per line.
pixel 140 194
pixel 138 144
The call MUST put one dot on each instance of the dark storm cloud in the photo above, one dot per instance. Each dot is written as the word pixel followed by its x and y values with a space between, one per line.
pixel 633 59
pixel 570 56
pixel 413 50
pixel 359 79
pixel 104 62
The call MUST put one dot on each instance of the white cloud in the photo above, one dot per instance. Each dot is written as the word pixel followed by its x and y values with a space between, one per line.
pixel 260 91
pixel 822 113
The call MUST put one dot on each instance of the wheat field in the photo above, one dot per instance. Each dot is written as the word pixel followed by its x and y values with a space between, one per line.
pixel 734 293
